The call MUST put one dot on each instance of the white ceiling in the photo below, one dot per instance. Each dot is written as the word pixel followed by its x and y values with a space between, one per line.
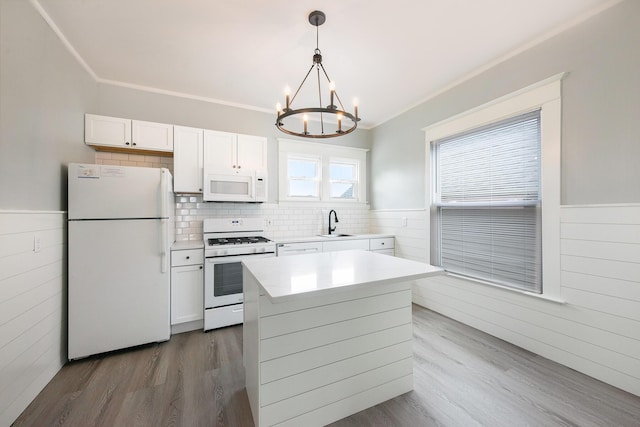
pixel 390 55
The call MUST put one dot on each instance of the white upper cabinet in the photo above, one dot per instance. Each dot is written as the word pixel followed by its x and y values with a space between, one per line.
pixel 104 132
pixel 252 152
pixel 220 149
pixel 188 159
pixel 152 136
pixel 230 151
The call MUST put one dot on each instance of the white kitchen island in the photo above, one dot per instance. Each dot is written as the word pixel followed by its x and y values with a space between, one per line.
pixel 327 335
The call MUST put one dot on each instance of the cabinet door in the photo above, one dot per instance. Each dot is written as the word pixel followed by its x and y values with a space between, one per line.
pixel 252 152
pixel 152 136
pixel 102 130
pixel 220 150
pixel 187 294
pixel 187 159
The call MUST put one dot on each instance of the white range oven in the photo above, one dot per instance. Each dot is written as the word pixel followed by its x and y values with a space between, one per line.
pixel 227 241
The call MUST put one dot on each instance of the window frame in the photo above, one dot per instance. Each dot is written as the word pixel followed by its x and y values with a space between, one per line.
pixel 327 153
pixel 546 96
pixel 355 181
pixel 317 179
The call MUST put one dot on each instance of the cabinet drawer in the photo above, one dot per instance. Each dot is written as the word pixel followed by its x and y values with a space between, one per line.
pixel 187 257
pixel 385 252
pixel 382 243
pixel 285 249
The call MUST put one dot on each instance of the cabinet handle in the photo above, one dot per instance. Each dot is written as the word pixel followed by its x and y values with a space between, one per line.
pixel 382 243
pixel 234 166
pixel 133 143
pixel 126 143
pixel 200 267
pixel 199 189
pixel 238 166
pixel 188 257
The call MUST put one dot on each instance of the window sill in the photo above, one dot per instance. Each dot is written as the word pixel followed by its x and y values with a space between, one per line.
pixel 543 297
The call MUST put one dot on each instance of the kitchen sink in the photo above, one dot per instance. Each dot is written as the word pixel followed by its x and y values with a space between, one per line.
pixel 334 235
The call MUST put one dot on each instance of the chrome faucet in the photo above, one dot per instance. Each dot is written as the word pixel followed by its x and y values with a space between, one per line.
pixel 335 215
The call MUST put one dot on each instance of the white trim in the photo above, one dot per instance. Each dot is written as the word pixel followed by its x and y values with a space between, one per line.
pixel 38 7
pixel 506 288
pixel 509 105
pixel 545 95
pixel 325 152
pixel 536 41
pixel 183 95
pixel 602 205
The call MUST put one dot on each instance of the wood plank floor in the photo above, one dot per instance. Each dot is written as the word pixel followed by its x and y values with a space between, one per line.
pixel 462 376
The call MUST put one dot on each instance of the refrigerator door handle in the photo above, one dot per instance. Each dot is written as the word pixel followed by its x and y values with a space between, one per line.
pixel 164 224
pixel 163 193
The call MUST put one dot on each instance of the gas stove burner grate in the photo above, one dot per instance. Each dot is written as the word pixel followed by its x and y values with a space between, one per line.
pixel 237 240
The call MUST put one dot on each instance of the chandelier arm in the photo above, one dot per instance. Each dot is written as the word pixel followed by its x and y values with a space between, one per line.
pixel 301 84
pixel 334 92
pixel 320 100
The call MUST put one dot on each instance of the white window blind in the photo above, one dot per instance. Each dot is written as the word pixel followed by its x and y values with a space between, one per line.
pixel 488 202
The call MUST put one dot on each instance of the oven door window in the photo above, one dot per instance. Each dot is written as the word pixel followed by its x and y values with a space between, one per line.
pixel 227 279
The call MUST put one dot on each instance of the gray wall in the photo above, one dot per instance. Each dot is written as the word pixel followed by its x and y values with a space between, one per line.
pixel 136 104
pixel 44 93
pixel 601 107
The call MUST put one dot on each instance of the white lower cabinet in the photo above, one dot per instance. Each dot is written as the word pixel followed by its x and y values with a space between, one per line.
pixel 379 245
pixel 383 245
pixel 187 287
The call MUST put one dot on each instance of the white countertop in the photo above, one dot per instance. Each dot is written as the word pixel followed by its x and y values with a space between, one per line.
pixel 293 277
pixel 330 239
pixel 187 244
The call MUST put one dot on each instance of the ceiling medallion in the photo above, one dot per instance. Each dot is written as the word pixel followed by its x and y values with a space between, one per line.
pixel 316 128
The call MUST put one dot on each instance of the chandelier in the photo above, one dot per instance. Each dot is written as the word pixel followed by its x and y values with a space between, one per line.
pixel 323 119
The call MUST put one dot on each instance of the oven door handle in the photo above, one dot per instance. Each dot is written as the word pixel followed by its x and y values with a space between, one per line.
pixel 237 258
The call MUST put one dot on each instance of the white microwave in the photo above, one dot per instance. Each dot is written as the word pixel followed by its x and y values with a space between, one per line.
pixel 234 186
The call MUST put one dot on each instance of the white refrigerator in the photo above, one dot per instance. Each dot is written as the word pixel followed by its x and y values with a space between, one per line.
pixel 120 233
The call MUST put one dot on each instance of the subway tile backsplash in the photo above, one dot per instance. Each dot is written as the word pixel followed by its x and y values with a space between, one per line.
pixel 140 160
pixel 281 221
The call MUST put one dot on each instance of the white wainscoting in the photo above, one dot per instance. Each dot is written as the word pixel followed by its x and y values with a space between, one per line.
pixel 411 228
pixel 597 330
pixel 32 306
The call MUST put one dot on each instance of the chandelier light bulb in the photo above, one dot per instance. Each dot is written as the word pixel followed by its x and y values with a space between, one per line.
pixel 339 123
pixel 287 94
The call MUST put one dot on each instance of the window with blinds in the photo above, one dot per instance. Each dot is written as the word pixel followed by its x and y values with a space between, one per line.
pixel 488 202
